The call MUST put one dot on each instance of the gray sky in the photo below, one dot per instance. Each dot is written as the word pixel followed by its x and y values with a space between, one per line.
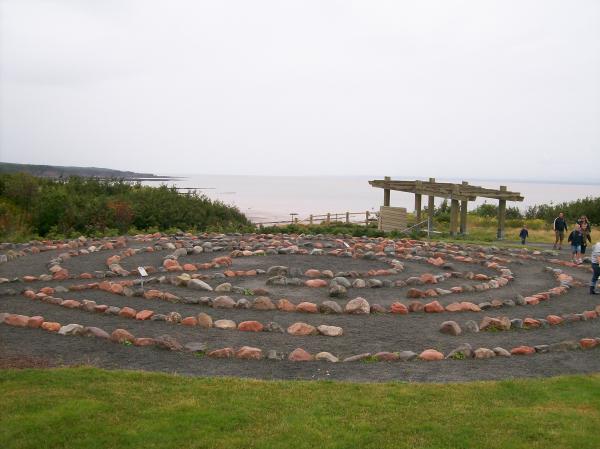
pixel 474 89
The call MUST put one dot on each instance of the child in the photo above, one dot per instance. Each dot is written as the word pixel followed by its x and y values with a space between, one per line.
pixel 576 240
pixel 524 234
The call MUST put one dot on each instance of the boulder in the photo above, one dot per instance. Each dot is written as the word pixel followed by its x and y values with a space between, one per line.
pixel 386 356
pixel 307 307
pixel 197 284
pixel 121 335
pixel 301 329
pixel 433 307
pixel 431 355
pixel 285 305
pixel 300 355
pixel 398 308
pixel 224 353
pixel 71 329
pixel 189 321
pixel 330 307
pixel 168 342
pixel 263 303
pixel 204 320
pixel 250 326
pixel 358 306
pixel 51 326
pixel 249 353
pixel 225 324
pixel 463 351
pixel 483 353
pixel 223 302
pixel 327 356
pixel 450 328
pixel 95 332
pixel 522 350
pixel 330 331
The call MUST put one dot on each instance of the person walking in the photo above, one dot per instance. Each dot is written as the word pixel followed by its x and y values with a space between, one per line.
pixel 524 234
pixel 587 236
pixel 595 267
pixel 576 240
pixel 560 226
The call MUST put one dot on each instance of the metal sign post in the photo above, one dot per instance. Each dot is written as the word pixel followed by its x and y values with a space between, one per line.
pixel 143 274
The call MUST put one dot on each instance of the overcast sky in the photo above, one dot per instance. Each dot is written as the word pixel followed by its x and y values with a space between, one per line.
pixel 473 89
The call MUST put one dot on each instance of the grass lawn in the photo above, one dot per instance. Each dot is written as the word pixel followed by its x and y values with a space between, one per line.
pixel 92 408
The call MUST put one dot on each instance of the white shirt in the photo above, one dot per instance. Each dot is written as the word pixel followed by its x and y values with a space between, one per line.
pixel 596 253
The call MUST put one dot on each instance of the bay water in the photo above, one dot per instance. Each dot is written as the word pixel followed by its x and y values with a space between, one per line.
pixel 274 198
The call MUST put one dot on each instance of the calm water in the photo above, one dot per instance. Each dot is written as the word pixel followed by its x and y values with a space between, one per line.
pixel 272 198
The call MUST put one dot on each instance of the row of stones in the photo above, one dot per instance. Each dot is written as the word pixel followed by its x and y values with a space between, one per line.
pixel 56 272
pixel 505 323
pixel 464 351
pixel 202 320
pixel 356 306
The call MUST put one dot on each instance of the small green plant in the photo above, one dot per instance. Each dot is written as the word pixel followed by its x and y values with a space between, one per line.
pixel 200 354
pixel 458 356
pixel 127 343
pixel 248 292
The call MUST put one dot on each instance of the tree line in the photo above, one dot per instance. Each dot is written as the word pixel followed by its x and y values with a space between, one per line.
pixel 32 206
pixel 589 206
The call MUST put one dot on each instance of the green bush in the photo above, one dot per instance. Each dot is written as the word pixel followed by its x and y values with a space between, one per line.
pixel 75 206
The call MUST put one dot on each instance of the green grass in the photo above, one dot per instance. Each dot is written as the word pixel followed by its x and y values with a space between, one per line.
pixel 91 408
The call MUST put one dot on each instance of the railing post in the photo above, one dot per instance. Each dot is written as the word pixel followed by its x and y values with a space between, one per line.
pixel 310 219
pixel 367 218
pixel 347 217
pixel 328 217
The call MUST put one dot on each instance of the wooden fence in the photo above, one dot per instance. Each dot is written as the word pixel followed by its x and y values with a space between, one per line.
pixel 364 218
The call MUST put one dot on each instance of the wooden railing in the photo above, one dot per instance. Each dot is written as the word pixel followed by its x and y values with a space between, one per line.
pixel 365 219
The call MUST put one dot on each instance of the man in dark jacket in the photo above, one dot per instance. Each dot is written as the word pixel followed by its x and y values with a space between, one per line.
pixel 560 227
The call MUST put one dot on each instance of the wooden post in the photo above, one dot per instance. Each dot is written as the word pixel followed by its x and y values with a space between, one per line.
pixel 453 216
pixel 310 219
pixel 463 213
pixel 347 217
pixel 418 188
pixel 367 218
pixel 453 212
pixel 386 193
pixel 430 208
pixel 328 218
pixel 501 215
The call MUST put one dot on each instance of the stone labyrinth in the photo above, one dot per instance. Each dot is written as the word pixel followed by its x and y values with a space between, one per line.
pixel 298 306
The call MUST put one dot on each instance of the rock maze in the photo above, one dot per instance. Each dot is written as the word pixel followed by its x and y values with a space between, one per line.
pixel 269 301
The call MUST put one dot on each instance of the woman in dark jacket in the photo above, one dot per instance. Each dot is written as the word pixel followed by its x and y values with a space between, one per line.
pixel 587 236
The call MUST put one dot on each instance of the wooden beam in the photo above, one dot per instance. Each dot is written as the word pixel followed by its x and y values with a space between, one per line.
pixel 443 189
pixel 386 192
pixel 501 216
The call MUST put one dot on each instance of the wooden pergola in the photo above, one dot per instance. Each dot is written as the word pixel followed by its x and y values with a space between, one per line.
pixel 458 194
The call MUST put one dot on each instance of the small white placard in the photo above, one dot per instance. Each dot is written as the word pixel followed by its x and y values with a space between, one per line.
pixel 142 271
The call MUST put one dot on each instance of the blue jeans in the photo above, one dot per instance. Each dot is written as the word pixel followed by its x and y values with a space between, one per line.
pixel 596 274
